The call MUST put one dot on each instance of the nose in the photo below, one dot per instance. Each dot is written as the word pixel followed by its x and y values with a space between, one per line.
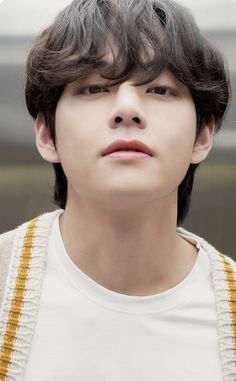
pixel 127 110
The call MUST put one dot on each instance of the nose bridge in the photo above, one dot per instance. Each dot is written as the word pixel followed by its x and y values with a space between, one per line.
pixel 127 107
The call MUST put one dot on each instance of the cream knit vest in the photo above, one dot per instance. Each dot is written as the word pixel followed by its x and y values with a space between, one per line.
pixel 19 309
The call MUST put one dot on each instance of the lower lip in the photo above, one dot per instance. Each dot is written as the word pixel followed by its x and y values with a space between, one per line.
pixel 127 155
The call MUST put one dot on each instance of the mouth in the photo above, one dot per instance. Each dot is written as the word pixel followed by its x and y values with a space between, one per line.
pixel 127 155
pixel 127 148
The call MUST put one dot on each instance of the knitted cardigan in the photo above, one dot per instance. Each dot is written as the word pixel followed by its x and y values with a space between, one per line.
pixel 22 273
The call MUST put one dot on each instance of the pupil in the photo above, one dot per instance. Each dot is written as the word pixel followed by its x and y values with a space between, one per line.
pixel 161 90
pixel 94 89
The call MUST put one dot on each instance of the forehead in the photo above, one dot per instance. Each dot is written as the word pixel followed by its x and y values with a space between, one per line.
pixel 110 52
pixel 111 49
pixel 111 60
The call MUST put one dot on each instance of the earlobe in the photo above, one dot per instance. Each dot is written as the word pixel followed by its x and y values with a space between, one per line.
pixel 44 141
pixel 203 143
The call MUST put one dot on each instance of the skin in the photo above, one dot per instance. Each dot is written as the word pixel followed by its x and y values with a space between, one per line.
pixel 119 224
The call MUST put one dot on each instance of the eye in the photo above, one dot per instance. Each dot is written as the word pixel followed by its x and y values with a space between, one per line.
pixel 92 89
pixel 163 90
pixel 160 90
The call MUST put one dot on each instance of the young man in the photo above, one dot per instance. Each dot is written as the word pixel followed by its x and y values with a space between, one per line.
pixel 127 97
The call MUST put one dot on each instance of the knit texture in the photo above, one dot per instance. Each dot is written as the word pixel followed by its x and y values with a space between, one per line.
pixel 6 241
pixel 18 314
pixel 223 270
pixel 21 297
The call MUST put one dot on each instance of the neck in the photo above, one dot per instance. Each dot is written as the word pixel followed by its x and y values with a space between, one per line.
pixel 134 251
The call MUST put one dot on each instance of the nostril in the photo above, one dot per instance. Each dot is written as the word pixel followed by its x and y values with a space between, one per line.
pixel 118 119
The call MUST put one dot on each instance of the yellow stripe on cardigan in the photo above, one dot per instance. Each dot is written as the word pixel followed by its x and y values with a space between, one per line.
pixel 231 283
pixel 17 301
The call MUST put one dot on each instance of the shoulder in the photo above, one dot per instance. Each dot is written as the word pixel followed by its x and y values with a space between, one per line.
pixel 16 237
pixel 201 242
pixel 6 238
pixel 6 243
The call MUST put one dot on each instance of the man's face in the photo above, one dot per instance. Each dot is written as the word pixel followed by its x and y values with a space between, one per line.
pixel 91 114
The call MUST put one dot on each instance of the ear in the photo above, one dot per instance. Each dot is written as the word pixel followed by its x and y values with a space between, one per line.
pixel 203 143
pixel 44 141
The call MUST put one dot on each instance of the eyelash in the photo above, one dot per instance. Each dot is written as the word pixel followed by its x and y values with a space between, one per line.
pixel 171 91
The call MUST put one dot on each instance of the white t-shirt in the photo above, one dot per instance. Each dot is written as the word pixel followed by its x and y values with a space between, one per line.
pixel 89 333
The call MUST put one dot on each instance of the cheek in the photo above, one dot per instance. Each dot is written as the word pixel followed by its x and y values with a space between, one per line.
pixel 72 128
pixel 182 122
pixel 185 123
pixel 78 133
pixel 175 135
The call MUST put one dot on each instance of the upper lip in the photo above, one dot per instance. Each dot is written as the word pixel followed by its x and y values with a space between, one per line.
pixel 132 145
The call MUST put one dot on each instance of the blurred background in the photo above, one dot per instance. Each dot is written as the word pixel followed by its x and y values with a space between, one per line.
pixel 26 182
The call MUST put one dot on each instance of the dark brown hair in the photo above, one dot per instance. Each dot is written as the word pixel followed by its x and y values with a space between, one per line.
pixel 73 46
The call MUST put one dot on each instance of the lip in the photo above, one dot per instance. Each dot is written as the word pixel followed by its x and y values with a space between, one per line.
pixel 127 156
pixel 126 146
